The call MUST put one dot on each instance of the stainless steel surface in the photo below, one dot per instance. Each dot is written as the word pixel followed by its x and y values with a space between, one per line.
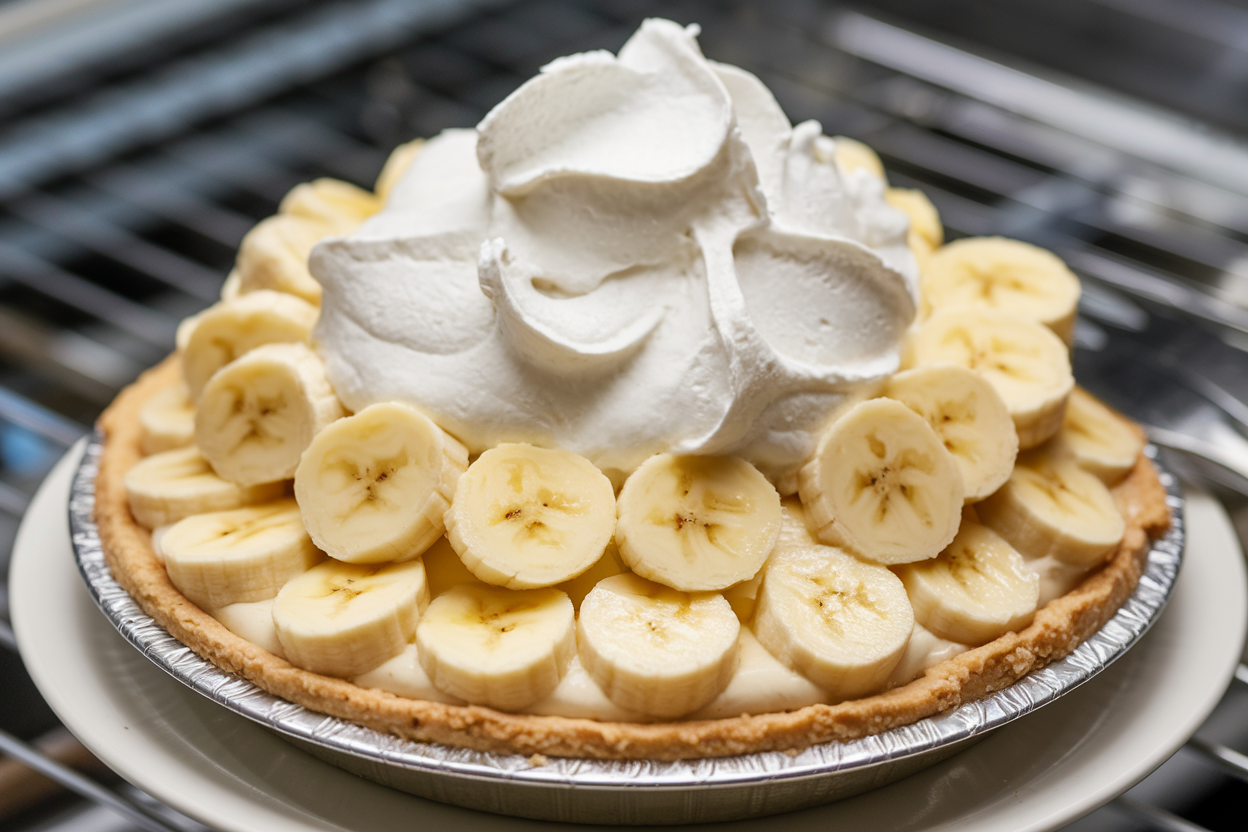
pixel 1157 235
pixel 632 791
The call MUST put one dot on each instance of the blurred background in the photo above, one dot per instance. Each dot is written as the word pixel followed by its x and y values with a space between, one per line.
pixel 141 139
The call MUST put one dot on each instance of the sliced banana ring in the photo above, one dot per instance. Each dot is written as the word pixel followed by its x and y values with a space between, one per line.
pixel 398 163
pixel 977 589
pixel 883 485
pixel 258 413
pixel 237 556
pixel 498 647
pixel 232 328
pixel 1027 364
pixel 526 517
pixel 1008 276
pixel 167 420
pixel 1100 440
pixel 926 233
pixel 343 619
pixel 165 487
pixel 339 206
pixel 374 486
pixel 970 418
pixel 274 255
pixel 655 650
pixel 841 623
pixel 852 154
pixel 697 523
pixel 1051 506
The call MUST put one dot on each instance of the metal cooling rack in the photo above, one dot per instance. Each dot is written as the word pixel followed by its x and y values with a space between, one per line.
pixel 141 140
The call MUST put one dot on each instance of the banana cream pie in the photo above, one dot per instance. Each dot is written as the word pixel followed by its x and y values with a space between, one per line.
pixel 635 423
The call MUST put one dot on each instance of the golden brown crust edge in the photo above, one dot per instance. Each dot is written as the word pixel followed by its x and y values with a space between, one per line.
pixel 1056 630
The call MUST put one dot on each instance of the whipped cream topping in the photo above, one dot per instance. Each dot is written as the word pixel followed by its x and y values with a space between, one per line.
pixel 631 254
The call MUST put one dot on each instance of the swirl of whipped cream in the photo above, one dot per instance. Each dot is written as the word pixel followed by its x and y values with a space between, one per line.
pixel 629 255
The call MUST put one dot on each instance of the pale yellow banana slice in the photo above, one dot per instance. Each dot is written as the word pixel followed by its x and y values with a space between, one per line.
pixel 608 565
pixel 794 531
pixel 882 485
pixel 231 289
pixel 697 523
pixel 374 486
pixel 400 160
pixel 274 255
pixel 1100 440
pixel 503 648
pixel 970 418
pixel 977 589
pixel 444 569
pixel 1051 506
pixel 165 487
pixel 338 206
pixel 238 556
pixel 656 650
pixel 186 328
pixel 842 623
pixel 343 619
pixel 167 420
pixel 257 414
pixel 232 328
pixel 1027 364
pixel 1007 276
pixel 852 154
pixel 926 233
pixel 526 517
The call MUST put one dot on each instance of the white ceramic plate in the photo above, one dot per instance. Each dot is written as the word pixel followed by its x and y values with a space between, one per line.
pixel 1037 773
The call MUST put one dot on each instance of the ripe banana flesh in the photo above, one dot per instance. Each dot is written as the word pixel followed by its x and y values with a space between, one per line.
pixel 165 487
pixel 1051 506
pixel 274 255
pixel 167 420
pixel 342 619
pixel 842 623
pixel 697 523
pixel 232 328
pixel 237 556
pixel 852 154
pixel 1007 276
pixel 1027 364
pixel 1100 440
pixel 339 207
pixel 374 486
pixel 609 564
pixel 926 233
pixel 977 589
pixel 498 647
pixel 882 485
pixel 526 517
pixel 257 414
pixel 970 418
pixel 656 650
pixel 444 569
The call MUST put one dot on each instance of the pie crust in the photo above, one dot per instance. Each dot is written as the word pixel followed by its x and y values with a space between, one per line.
pixel 1056 630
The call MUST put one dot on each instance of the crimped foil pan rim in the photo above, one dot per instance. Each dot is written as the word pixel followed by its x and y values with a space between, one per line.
pixel 1038 688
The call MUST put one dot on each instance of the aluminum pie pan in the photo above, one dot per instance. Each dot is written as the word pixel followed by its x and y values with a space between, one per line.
pixel 626 791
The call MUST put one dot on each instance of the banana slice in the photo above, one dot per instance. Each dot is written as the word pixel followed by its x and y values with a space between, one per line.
pixel 337 206
pixel 926 233
pixel 1100 440
pixel 841 623
pixel 165 487
pixel 400 160
pixel 343 619
pixel 1027 364
pixel 444 569
pixel 167 420
pixel 375 486
pixel 1008 276
pixel 977 589
pixel 274 255
pixel 238 556
pixel 882 485
pixel 1051 506
pixel 852 154
pixel 503 648
pixel 697 522
pixel 257 414
pixel 970 418
pixel 232 328
pixel 608 565
pixel 655 650
pixel 526 517
pixel 231 289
